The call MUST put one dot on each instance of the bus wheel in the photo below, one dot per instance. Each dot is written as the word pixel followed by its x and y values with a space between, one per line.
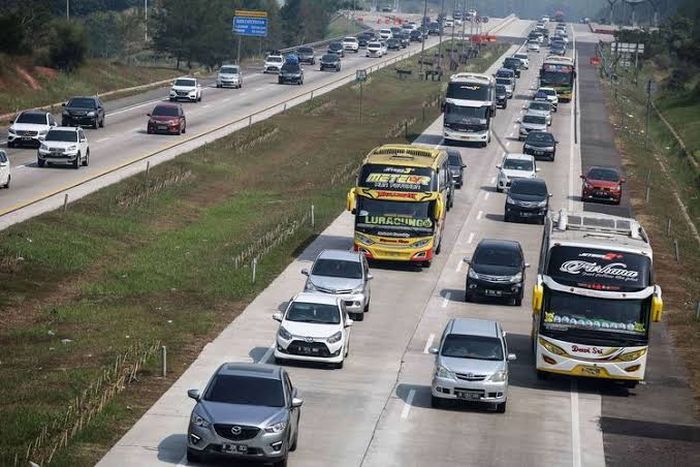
pixel 542 375
pixel 427 264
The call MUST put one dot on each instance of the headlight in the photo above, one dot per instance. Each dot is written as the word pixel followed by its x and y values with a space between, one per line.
pixel 443 372
pixel 335 337
pixel 44 147
pixel 615 188
pixel 422 243
pixel 542 203
pixel 72 148
pixel 359 289
pixel 11 131
pixel 198 420
pixel 516 278
pixel 587 185
pixel 473 274
pixel 364 239
pixel 630 356
pixel 556 350
pixel 499 376
pixel 310 286
pixel 43 132
pixel 65 112
pixel 284 334
pixel 510 200
pixel 91 114
pixel 277 427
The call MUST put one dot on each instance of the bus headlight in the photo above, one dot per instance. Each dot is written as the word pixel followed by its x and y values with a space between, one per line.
pixel 631 356
pixel 364 239
pixel 552 348
pixel 421 243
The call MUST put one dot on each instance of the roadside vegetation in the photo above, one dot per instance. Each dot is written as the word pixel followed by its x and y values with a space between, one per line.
pixel 164 259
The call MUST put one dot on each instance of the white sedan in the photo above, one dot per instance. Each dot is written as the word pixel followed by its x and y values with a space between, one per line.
pixel 515 166
pixel 313 328
pixel 533 46
pixel 5 176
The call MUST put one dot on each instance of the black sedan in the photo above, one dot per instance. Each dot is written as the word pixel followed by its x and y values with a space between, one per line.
pixel 83 111
pixel 501 96
pixel 527 199
pixel 330 61
pixel 393 44
pixel 454 161
pixel 540 144
pixel 497 270
pixel 291 72
pixel 416 36
pixel 336 48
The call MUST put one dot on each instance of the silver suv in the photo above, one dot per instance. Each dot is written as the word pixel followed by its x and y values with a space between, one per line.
pixel 247 411
pixel 345 274
pixel 471 363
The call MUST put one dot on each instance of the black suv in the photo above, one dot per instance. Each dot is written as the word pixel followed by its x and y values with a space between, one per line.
pixel 336 48
pixel 528 198
pixel 497 270
pixel 416 36
pixel 291 72
pixel 81 110
pixel 514 64
pixel 393 44
pixel 501 96
pixel 540 144
pixel 454 162
pixel 306 55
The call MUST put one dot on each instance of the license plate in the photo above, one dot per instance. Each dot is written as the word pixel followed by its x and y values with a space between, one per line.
pixel 539 153
pixel 309 350
pixel 590 370
pixel 493 293
pixel 526 214
pixel 26 138
pixel 162 127
pixel 235 448
pixel 469 396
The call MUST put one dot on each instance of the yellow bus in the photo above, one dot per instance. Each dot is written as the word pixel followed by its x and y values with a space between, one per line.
pixel 400 202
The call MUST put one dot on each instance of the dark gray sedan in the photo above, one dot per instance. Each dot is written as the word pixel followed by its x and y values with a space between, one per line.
pixel 330 61
pixel 247 411
pixel 454 161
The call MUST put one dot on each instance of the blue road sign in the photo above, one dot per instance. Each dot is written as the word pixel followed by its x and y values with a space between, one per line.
pixel 247 26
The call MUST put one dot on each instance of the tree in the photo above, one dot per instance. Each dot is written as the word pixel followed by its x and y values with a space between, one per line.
pixel 68 45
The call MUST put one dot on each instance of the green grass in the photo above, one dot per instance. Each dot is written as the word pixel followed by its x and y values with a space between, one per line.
pixel 342 26
pixel 95 76
pixel 119 269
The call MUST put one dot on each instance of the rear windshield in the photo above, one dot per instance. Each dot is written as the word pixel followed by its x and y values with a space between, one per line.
pixel 31 117
pixel 313 313
pixel 229 69
pixel 518 164
pixel 337 268
pixel 305 50
pixel 62 135
pixel 274 59
pixel 82 103
pixel 246 390
pixel 496 256
pixel 526 187
pixel 535 119
pixel 608 175
pixel 540 106
pixel 289 66
pixel 165 111
pixel 329 58
pixel 474 347
pixel 185 82
pixel 540 137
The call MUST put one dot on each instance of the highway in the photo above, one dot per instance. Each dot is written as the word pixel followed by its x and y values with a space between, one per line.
pixel 376 410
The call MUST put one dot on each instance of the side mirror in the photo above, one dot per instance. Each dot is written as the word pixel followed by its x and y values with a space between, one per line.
pixel 623 180
pixel 193 394
pixel 517 120
pixel 537 169
pixel 498 166
pixel 434 350
pixel 582 177
pixel 525 107
pixel 277 317
pixel 550 195
pixel 351 201
pixel 537 297
pixel 556 141
pixel 296 402
pixel 370 277
pixel 348 323
pixel 467 260
pixel 148 115
pixel 305 272
pixel 464 166
pixel 512 357
pixel 657 308
pixel 63 105
pixel 527 265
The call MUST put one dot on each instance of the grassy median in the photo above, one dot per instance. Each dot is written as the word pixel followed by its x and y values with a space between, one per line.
pixel 164 259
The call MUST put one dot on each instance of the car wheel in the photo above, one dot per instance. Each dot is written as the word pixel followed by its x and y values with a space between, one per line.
pixel 427 264
pixel 367 306
pixel 194 456
pixel 40 162
pixel 358 316
pixel 339 365
pixel 281 463
pixel 279 81
pixel 506 217
pixel 76 163
pixel 96 123
pixel 184 128
pixel 86 162
pixel 10 144
pixel 499 189
pixel 293 444
pixel 9 179
pixel 280 361
pixel 501 408
pixel 542 375
pixel 468 295
pixel 102 122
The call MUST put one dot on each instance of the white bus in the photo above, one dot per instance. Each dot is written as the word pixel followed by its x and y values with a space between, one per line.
pixel 470 104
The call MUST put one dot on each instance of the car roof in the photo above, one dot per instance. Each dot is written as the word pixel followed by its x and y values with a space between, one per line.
pixel 343 255
pixel 35 111
pixel 82 97
pixel 167 104
pixel 65 128
pixel 528 181
pixel 605 167
pixel 185 77
pixel 497 243
pixel 474 327
pixel 518 156
pixel 313 297
pixel 255 370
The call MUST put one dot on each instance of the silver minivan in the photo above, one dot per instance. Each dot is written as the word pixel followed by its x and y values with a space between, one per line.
pixel 471 363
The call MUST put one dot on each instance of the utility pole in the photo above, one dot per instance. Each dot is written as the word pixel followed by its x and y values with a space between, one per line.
pixel 452 40
pixel 67 10
pixel 145 20
pixel 464 25
pixel 423 39
pixel 442 15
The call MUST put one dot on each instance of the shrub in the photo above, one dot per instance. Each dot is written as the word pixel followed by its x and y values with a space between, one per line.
pixel 67 46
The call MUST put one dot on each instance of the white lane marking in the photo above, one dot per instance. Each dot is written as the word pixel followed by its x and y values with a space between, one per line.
pixel 407 404
pixel 493 180
pixel 486 195
pixel 226 99
pixel 459 265
pixel 183 461
pixel 257 89
pixel 101 140
pixel 133 107
pixel 469 240
pixel 446 299
pixel 479 214
pixel 429 344
pixel 575 434
pixel 138 128
pixel 205 106
pixel 267 355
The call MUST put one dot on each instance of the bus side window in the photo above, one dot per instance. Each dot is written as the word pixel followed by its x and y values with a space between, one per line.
pixel 543 251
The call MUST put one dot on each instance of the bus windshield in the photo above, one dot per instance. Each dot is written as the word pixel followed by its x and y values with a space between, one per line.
pixel 394 218
pixel 556 77
pixel 397 178
pixel 458 114
pixel 468 91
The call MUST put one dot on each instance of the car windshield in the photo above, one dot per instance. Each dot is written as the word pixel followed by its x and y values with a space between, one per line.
pixel 474 347
pixel 62 135
pixel 305 50
pixel 232 70
pixel 608 175
pixel 455 159
pixel 540 138
pixel 290 67
pixel 350 39
pixel 536 119
pixel 549 92
pixel 539 106
pixel 32 117
pixel 329 58
pixel 496 256
pixel 82 103
pixel 319 313
pixel 500 89
pixel 335 46
pixel 504 81
pixel 373 45
pixel 521 56
pixel 245 390
pixel 165 111
pixel 274 59
pixel 190 83
pixel 526 187
pixel 337 268
pixel 518 164
pixel 457 114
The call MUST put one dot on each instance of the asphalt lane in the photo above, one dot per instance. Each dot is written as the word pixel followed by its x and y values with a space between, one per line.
pixel 653 424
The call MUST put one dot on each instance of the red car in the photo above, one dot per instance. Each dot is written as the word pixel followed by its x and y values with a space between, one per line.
pixel 167 118
pixel 602 184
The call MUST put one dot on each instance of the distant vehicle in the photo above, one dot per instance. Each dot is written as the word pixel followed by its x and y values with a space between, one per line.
pixel 496 270
pixel 330 61
pixel 248 411
pixel 524 60
pixel 273 63
pixel 291 58
pixel 434 29
pixel 540 108
pixel 506 73
pixel 291 73
pixel 471 364
pixel 457 166
pixel 501 96
pixel 345 275
pixel 509 84
pixel 545 19
pixel 29 128
pixel 405 38
pixel 375 49
pixel 514 64
pixel 550 95
pixel 64 146
pixel 602 184
pixel 313 328
pixel 336 48
pixel 363 39
pixel 5 169
pixel 559 49
pixel 83 110
pixel 395 30
pixel 416 35
pixel 448 23
pixel 167 118
pixel 229 76
pixel 528 198
pixel 351 43
pixel 540 144
pixel 186 88
pixel 385 34
pixel 531 122
pixel 514 166
pixel 393 44
pixel 306 55
pixel 533 46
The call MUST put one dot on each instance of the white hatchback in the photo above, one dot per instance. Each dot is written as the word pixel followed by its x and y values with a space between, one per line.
pixel 375 49
pixel 515 166
pixel 5 176
pixel 533 46
pixel 313 328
